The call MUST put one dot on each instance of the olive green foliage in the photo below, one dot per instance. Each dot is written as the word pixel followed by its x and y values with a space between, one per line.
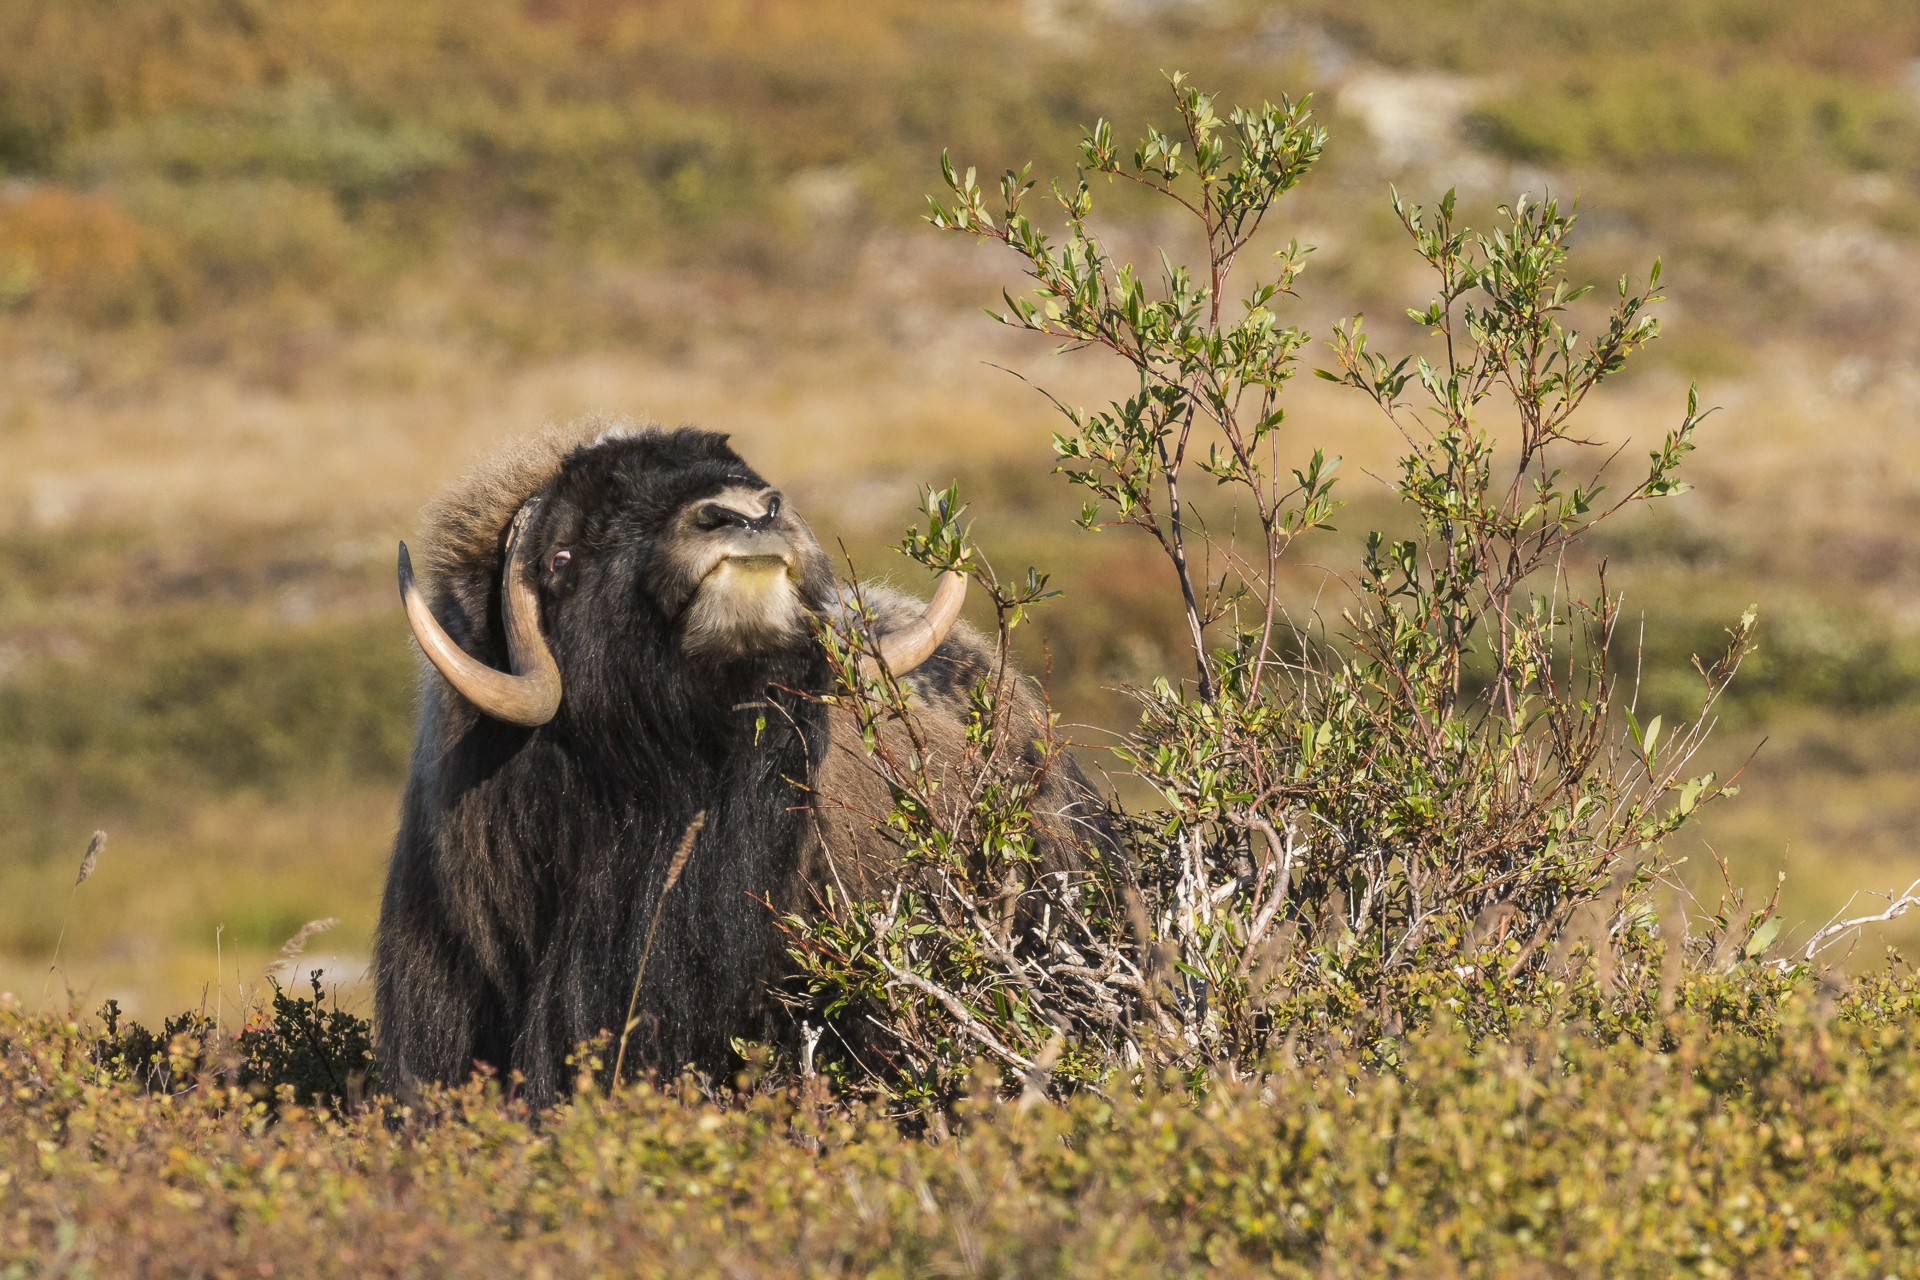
pixel 260 711
pixel 183 158
pixel 1842 657
pixel 1653 114
pixel 1778 1150
pixel 1758 90
pixel 206 706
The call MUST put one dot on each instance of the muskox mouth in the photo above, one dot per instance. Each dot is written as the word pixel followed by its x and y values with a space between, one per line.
pixel 753 572
pixel 747 603
pixel 755 564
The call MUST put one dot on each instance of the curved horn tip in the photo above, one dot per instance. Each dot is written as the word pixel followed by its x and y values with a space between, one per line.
pixel 949 594
pixel 912 645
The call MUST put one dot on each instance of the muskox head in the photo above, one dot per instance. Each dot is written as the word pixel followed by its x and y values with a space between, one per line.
pixel 656 547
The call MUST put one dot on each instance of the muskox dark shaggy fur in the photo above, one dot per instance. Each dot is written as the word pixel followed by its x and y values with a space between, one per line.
pixel 529 860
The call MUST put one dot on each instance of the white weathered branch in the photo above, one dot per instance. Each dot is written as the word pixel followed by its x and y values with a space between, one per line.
pixel 1833 929
pixel 973 1026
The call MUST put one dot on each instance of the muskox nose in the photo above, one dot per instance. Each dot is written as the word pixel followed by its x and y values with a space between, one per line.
pixel 715 514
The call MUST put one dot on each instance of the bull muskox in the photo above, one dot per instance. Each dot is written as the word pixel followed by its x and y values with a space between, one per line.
pixel 618 635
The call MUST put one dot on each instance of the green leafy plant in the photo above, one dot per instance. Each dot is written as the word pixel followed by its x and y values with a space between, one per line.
pixel 951 955
pixel 165 1062
pixel 322 1054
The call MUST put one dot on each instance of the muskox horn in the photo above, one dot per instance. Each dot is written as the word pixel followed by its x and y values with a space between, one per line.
pixel 531 694
pixel 907 648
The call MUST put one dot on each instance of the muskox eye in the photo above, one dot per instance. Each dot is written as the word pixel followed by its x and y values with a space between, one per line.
pixel 559 560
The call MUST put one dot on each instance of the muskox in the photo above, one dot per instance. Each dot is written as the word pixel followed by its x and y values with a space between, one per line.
pixel 617 636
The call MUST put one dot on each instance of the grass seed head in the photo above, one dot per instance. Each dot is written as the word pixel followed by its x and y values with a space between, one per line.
pixel 298 942
pixel 92 860
pixel 685 850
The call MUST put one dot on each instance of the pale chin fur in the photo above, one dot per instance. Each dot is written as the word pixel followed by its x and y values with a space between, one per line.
pixel 744 607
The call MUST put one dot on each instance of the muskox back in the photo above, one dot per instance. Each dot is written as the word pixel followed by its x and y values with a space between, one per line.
pixel 674 591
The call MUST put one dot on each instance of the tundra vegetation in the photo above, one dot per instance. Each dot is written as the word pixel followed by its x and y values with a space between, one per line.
pixel 272 275
pixel 1394 970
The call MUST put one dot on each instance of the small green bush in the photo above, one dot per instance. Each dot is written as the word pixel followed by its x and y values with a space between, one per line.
pixel 298 1050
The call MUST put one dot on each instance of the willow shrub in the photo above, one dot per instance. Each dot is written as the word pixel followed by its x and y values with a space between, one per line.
pixel 1439 800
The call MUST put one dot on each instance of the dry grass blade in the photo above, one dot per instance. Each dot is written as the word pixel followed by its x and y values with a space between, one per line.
pixel 92 860
pixel 298 943
pixel 674 869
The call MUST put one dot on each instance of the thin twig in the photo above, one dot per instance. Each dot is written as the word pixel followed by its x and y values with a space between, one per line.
pixel 972 1025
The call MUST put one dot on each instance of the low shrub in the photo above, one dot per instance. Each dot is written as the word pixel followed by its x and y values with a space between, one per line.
pixel 1730 1149
pixel 296 1050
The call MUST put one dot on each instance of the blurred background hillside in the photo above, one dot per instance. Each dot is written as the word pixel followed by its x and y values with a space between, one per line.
pixel 271 274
